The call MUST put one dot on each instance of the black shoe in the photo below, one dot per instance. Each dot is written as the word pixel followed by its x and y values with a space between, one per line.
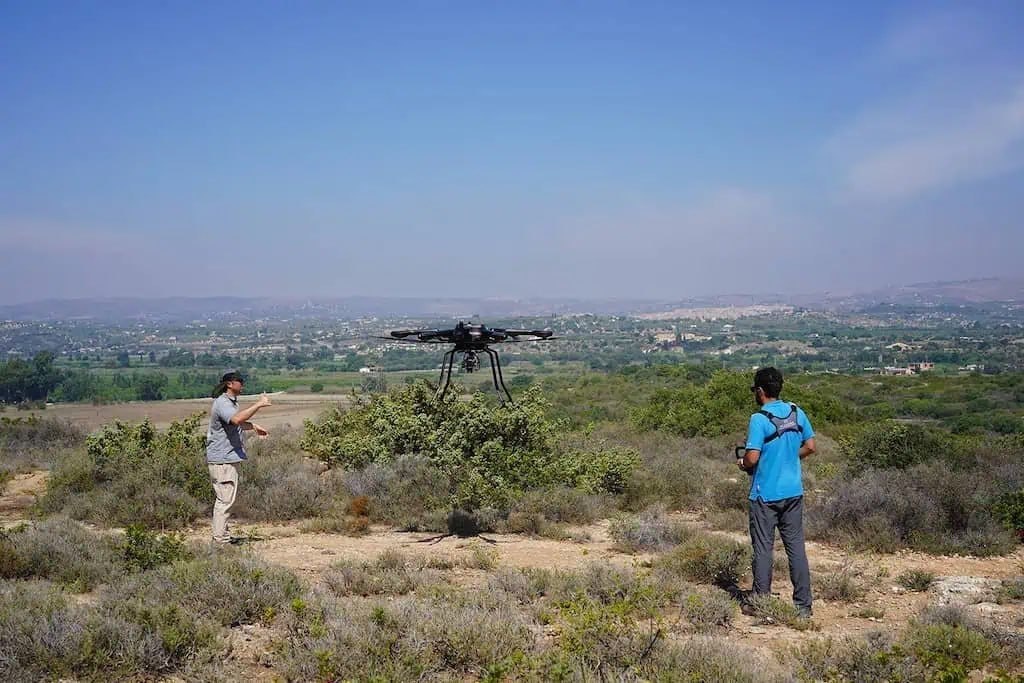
pixel 804 612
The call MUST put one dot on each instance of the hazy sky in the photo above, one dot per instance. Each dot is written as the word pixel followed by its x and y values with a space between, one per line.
pixel 443 148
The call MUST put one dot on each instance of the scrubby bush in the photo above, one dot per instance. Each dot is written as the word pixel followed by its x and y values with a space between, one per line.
pixel 708 609
pixel 143 549
pixel 409 492
pixel 678 480
pixel 707 658
pixel 279 482
pixel 931 506
pixel 1011 590
pixel 59 550
pixel 134 473
pixel 1009 509
pixel 720 406
pixel 707 558
pixel 770 610
pixel 649 531
pixel 391 574
pixel 223 586
pixel 897 445
pixel 405 638
pixel 840 584
pixel 44 637
pixel 35 441
pixel 490 454
pixel 871 659
pixel 916 579
pixel 547 512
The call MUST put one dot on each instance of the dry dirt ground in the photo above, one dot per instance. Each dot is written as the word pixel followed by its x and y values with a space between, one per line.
pixel 310 554
pixel 287 410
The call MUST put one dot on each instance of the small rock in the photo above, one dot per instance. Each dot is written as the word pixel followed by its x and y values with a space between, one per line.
pixel 963 590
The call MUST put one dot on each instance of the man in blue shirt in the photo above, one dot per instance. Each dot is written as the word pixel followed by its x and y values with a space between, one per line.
pixel 778 438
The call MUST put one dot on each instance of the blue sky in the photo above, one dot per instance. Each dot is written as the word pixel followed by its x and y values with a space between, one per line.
pixel 589 149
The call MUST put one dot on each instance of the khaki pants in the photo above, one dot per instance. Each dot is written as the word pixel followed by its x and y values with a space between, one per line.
pixel 225 484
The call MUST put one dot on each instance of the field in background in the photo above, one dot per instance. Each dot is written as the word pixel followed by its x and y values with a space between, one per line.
pixel 288 410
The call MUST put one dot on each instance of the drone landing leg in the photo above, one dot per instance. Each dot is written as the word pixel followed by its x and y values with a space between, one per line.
pixel 496 373
pixel 446 372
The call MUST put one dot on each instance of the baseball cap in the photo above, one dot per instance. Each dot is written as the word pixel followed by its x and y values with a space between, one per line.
pixel 232 375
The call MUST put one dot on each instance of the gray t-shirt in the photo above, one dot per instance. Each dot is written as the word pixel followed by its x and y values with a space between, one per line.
pixel 223 439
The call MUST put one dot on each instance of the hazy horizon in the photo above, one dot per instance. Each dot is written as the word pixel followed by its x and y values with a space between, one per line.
pixel 603 151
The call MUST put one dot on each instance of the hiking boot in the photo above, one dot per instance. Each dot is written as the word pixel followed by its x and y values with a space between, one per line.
pixel 804 612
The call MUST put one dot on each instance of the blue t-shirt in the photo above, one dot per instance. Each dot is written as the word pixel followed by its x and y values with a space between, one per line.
pixel 778 474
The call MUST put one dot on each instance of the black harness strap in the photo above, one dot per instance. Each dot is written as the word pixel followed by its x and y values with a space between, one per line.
pixel 783 425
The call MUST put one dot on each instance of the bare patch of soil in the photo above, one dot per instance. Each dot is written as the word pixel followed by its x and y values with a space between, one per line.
pixel 21 493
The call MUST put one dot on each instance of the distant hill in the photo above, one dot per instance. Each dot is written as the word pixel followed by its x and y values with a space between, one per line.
pixel 185 308
pixel 963 292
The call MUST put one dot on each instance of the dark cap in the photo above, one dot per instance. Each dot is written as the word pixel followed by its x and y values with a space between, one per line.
pixel 231 376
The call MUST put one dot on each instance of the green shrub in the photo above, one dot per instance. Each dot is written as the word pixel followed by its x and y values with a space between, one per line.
pixel 730 493
pixel 649 531
pixel 706 658
pixel 564 505
pixel 1011 590
pixel 142 549
pixel 770 610
pixel 720 406
pixel 708 558
pixel 896 445
pixel 947 648
pixel 490 454
pixel 676 480
pixel 871 659
pixel 1009 509
pixel 916 579
pixel 135 474
pixel 409 492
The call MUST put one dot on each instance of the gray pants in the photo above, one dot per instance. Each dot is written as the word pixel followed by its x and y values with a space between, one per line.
pixel 788 516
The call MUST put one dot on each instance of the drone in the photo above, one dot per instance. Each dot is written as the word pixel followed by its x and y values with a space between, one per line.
pixel 471 341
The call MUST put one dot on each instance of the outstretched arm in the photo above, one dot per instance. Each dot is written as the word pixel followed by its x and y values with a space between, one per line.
pixel 244 414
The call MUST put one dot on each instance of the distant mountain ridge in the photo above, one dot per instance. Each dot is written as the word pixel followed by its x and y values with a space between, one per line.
pixel 961 292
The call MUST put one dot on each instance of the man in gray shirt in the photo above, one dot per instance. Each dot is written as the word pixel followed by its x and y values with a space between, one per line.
pixel 224 447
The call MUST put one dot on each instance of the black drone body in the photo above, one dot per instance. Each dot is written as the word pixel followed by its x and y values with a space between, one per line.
pixel 471 341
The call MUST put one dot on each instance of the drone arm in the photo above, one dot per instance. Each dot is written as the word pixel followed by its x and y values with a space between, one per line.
pixel 540 334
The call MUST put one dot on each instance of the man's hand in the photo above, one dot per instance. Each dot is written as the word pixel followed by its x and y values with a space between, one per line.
pixel 264 400
pixel 260 431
